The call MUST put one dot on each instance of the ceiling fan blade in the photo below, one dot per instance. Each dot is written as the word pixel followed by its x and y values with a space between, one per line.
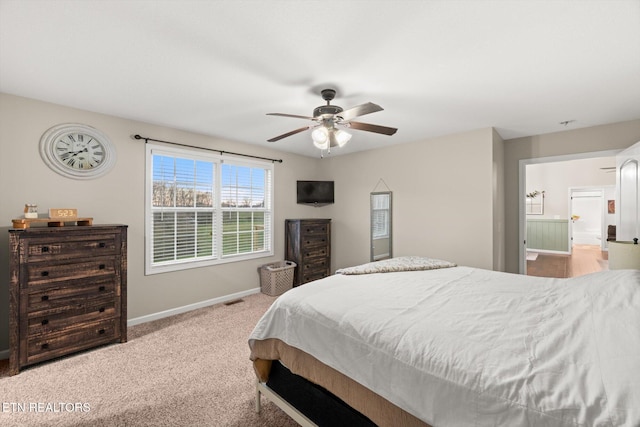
pixel 284 135
pixel 290 115
pixel 359 110
pixel 373 128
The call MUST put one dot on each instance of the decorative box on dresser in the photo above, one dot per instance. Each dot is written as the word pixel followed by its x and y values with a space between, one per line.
pixel 68 291
pixel 308 244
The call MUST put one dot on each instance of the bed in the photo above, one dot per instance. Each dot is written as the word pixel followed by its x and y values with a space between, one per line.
pixel 420 342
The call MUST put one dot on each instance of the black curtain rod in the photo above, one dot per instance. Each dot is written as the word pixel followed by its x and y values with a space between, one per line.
pixel 146 140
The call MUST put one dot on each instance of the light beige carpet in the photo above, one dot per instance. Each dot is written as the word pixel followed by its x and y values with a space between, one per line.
pixel 192 369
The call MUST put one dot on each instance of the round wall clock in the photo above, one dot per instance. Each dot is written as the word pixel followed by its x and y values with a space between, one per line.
pixel 77 151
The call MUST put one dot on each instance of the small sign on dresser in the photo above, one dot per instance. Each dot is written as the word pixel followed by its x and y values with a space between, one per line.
pixel 63 213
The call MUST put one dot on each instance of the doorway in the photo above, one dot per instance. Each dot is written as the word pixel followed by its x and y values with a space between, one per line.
pixel 587 225
pixel 556 176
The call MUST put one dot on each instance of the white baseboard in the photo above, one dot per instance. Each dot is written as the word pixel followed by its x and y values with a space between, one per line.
pixel 546 251
pixel 185 308
pixel 4 354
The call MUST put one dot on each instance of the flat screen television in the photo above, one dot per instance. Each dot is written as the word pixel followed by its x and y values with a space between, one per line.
pixel 317 193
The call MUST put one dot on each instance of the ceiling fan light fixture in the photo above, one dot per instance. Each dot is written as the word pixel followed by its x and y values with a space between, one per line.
pixel 320 137
pixel 342 137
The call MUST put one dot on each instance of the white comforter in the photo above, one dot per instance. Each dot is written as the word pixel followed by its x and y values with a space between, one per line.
pixel 467 347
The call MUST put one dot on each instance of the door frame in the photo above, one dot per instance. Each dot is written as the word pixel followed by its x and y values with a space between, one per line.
pixel 522 183
pixel 603 223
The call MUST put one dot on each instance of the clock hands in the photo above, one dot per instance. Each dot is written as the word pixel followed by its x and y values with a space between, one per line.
pixel 75 153
pixel 71 154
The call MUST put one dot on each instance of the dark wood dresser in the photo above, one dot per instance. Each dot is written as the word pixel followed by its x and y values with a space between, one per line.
pixel 308 244
pixel 68 291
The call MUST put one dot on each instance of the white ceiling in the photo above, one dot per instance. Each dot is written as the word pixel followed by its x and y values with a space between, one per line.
pixel 436 67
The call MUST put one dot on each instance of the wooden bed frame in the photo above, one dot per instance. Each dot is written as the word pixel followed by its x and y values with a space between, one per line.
pixel 307 403
pixel 375 409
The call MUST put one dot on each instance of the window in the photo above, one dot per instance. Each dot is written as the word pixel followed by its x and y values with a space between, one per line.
pixel 202 209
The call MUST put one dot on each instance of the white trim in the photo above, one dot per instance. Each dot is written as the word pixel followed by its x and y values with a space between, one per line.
pixel 547 251
pixel 522 181
pixel 186 308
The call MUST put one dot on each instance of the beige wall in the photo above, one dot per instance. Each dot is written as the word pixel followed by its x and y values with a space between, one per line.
pixel 442 199
pixel 448 196
pixel 615 136
pixel 118 197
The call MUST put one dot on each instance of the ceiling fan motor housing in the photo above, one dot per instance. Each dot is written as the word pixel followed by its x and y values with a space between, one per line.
pixel 326 109
pixel 328 94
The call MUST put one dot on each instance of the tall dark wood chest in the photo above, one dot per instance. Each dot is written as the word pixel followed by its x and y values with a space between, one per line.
pixel 68 291
pixel 308 244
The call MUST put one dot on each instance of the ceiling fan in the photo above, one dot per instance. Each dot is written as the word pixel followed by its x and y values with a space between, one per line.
pixel 330 120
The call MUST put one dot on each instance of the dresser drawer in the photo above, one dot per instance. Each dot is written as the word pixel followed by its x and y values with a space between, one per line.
pixel 54 296
pixel 75 338
pixel 320 251
pixel 81 311
pixel 41 274
pixel 309 276
pixel 57 296
pixel 53 248
pixel 313 229
pixel 56 308
pixel 315 266
pixel 312 241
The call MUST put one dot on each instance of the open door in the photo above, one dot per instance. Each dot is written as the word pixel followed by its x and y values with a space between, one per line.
pixel 627 195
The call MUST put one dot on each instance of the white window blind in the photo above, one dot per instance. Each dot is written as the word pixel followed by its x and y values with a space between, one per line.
pixel 203 210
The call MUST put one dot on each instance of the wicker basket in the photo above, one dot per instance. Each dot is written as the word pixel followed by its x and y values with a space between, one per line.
pixel 276 278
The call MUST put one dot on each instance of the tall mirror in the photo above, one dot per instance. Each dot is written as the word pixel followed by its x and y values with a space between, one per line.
pixel 381 244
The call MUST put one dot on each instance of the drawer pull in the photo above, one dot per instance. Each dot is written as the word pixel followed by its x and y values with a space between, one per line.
pixel 44 273
pixel 44 346
pixel 102 244
pixel 101 310
pixel 45 298
pixel 102 266
pixel 101 331
pixel 45 249
pixel 101 288
pixel 45 322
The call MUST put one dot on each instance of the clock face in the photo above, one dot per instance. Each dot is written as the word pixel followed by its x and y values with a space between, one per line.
pixel 77 151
